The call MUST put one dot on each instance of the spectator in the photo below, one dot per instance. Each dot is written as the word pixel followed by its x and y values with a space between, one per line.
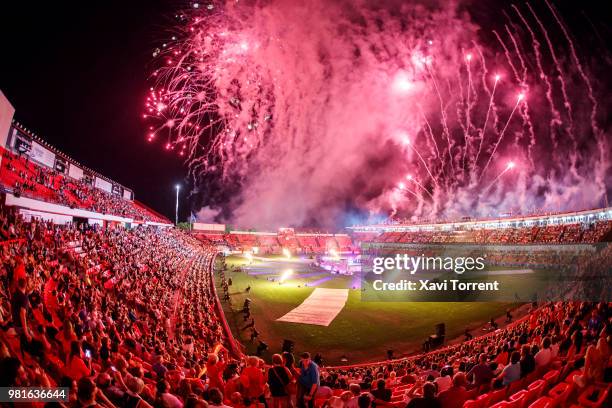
pixel 214 370
pixel 164 398
pixel 351 401
pixel 76 366
pixel 308 381
pixel 279 377
pixel 527 362
pixel 544 356
pixel 512 372
pixel 428 400
pixel 215 397
pixel 132 398
pixel 481 374
pixel 364 401
pixel 456 395
pixel 444 381
pixel 381 393
pixel 86 393
pixel 253 380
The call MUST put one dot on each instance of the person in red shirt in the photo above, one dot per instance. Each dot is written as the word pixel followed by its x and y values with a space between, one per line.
pixel 253 379
pixel 456 395
pixel 76 367
pixel 214 370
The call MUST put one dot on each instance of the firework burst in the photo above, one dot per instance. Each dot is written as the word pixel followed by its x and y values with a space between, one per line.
pixel 316 107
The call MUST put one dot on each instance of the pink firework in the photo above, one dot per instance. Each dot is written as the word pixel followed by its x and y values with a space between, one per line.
pixel 301 106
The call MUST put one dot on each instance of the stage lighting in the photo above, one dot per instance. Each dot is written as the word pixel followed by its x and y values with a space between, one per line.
pixel 286 275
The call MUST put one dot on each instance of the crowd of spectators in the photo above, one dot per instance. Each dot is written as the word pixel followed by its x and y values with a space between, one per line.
pixel 23 177
pixel 572 339
pixel 268 243
pixel 128 318
pixel 109 308
pixel 552 234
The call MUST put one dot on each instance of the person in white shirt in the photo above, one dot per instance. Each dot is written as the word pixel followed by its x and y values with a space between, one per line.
pixel 355 390
pixel 544 356
pixel 167 399
pixel 445 380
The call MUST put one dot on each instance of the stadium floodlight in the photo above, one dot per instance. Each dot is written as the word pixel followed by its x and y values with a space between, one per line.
pixel 178 187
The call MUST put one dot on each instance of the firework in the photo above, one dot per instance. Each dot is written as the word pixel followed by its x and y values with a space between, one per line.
pixel 294 106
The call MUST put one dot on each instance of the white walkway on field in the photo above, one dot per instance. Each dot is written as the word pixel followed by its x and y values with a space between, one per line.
pixel 320 308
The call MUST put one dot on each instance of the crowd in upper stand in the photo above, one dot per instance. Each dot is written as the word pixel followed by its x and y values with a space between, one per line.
pixel 23 177
pixel 129 318
pixel 550 234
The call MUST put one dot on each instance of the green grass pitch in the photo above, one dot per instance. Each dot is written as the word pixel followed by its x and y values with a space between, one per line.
pixel 363 331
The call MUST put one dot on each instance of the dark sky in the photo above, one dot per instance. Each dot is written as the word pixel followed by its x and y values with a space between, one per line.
pixel 77 76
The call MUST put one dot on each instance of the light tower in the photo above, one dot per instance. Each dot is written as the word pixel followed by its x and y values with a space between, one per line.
pixel 178 187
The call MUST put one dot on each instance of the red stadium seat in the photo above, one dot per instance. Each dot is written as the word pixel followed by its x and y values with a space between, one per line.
pixel 542 402
pixel 497 396
pixel 560 393
pixel 517 400
pixel 472 404
pixel 551 377
pixel 570 377
pixel 531 377
pixel 481 402
pixel 594 396
pixel 514 387
pixel 535 390
pixel 501 404
pixel 484 399
pixel 397 398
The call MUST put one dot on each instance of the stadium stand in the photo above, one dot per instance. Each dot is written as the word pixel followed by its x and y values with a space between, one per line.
pixel 21 176
pixel 130 317
pixel 133 314
pixel 589 232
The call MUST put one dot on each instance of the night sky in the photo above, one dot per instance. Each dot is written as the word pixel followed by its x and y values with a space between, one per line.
pixel 77 76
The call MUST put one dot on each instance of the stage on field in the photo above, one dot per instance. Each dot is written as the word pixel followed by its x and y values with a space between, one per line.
pixel 320 308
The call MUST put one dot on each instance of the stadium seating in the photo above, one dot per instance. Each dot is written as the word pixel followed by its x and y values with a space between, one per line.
pixel 23 177
pixel 552 234
pixel 143 303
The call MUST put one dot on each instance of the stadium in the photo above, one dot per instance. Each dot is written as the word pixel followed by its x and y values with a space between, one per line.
pixel 320 204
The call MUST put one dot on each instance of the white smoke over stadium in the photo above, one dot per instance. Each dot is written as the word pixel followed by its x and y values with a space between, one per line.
pixel 302 112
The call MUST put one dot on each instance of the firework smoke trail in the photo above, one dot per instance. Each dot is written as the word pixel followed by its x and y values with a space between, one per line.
pixel 524 110
pixel 576 60
pixel 509 167
pixel 288 111
pixel 601 143
pixel 555 121
pixel 414 149
pixel 430 133
pixel 557 65
pixel 402 187
pixel 468 59
pixel 484 126
pixel 501 135
pixel 410 178
pixel 460 109
pixel 443 116
pixel 508 56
